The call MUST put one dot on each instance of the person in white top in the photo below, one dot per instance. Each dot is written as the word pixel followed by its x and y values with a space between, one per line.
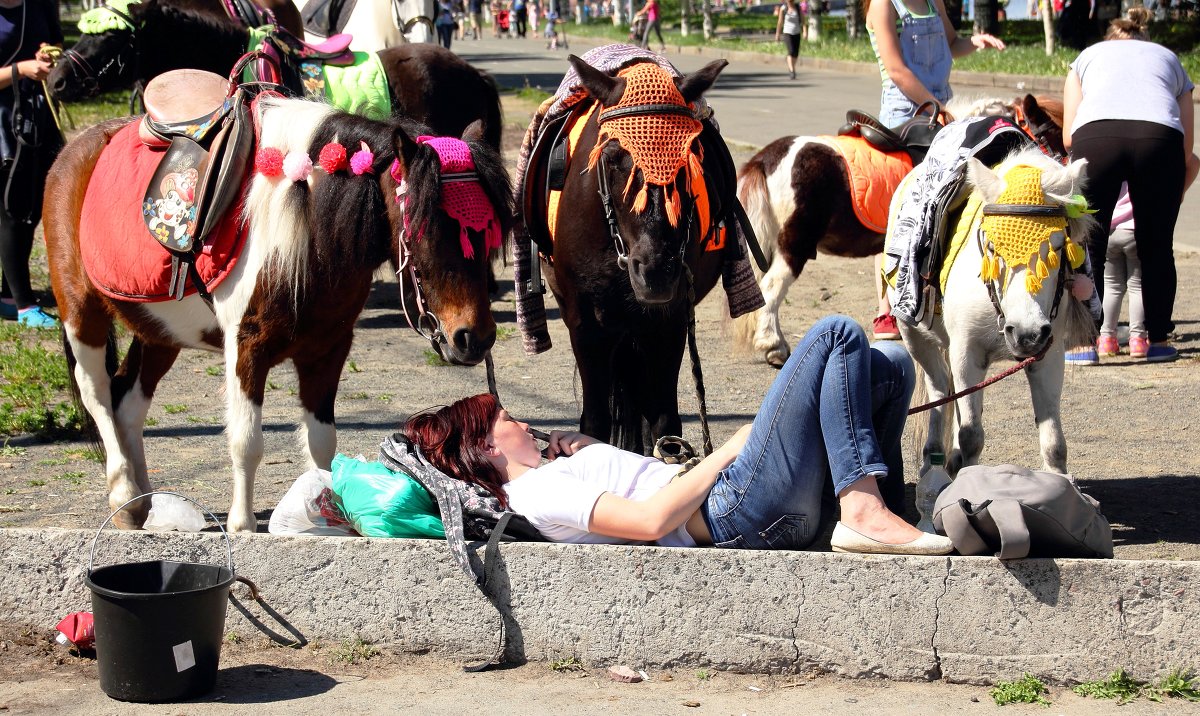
pixel 836 411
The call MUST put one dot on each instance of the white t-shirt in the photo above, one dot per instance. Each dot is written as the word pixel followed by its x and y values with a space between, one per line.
pixel 558 497
pixel 1130 79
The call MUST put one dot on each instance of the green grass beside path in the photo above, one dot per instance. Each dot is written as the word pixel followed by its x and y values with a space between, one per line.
pixel 1025 55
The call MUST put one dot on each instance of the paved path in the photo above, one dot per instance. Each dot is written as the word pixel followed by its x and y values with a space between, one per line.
pixel 755 102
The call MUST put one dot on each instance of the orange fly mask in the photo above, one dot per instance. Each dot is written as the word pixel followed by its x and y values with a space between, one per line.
pixel 657 127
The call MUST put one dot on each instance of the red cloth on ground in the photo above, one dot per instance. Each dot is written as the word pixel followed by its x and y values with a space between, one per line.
pixel 120 256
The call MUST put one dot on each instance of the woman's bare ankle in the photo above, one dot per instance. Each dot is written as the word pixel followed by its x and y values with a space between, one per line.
pixel 863 510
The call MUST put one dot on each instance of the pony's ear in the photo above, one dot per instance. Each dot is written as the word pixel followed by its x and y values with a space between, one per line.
pixel 603 88
pixel 1033 110
pixel 404 146
pixel 693 85
pixel 988 182
pixel 473 132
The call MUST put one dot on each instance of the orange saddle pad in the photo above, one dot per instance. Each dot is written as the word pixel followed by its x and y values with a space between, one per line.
pixel 873 176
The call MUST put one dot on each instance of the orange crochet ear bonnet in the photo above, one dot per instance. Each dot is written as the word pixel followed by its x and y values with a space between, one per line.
pixel 659 143
pixel 1017 240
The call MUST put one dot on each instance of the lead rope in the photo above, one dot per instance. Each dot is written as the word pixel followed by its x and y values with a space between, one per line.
pixel 984 383
pixel 694 352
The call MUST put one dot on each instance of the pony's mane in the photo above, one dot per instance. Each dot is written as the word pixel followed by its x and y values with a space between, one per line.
pixel 1059 183
pixel 343 218
pixel 179 12
pixel 976 106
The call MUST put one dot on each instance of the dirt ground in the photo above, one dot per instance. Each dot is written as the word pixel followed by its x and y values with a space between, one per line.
pixel 40 677
pixel 1128 423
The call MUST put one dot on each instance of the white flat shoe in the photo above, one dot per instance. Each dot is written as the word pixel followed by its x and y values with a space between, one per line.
pixel 846 539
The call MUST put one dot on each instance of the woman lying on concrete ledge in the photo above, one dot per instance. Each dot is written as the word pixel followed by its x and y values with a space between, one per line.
pixel 837 408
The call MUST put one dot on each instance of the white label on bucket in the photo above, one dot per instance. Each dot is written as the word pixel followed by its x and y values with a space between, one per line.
pixel 185 658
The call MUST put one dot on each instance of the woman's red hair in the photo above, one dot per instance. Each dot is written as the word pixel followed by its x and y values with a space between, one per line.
pixel 454 440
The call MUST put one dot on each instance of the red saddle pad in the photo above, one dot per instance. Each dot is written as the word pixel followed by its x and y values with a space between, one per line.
pixel 120 256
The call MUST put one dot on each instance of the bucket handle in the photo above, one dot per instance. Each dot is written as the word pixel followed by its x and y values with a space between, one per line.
pixel 228 542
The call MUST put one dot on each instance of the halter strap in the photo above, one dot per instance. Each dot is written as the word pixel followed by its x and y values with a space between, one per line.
pixel 1023 210
pixel 644 109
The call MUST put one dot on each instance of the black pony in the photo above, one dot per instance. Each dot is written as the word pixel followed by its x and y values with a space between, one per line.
pixel 427 83
pixel 639 245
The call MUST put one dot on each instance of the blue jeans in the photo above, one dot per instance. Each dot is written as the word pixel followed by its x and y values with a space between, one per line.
pixel 836 409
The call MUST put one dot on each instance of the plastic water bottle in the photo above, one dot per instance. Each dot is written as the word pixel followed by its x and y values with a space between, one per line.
pixel 931 484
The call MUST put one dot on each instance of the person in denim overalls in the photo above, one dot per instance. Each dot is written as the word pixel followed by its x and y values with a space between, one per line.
pixel 914 63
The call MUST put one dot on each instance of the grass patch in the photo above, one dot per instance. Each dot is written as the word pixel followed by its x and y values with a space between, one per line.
pixel 1026 54
pixel 503 333
pixel 75 477
pixel 353 651
pixel 353 367
pixel 1119 685
pixel 233 638
pixel 532 94
pixel 11 450
pixel 360 395
pixel 1026 690
pixel 34 385
pixel 703 674
pixel 175 408
pixel 433 359
pixel 568 664
pixel 1123 688
pixel 215 370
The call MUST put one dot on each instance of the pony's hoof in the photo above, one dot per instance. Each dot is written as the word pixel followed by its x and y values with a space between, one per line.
pixel 132 517
pixel 776 357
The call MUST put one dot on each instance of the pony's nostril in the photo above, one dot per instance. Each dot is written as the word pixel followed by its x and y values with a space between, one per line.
pixel 1009 329
pixel 463 340
pixel 58 85
pixel 1045 331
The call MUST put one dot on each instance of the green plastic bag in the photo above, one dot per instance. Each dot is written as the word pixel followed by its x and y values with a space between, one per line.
pixel 383 503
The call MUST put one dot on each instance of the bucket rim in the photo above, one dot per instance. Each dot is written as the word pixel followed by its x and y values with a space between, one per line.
pixel 224 583
pixel 228 542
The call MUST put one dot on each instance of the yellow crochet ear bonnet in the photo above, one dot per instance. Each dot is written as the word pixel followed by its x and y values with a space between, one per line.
pixel 659 143
pixel 1013 240
pixel 103 19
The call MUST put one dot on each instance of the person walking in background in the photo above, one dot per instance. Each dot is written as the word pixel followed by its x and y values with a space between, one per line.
pixel 1127 110
pixel 460 19
pixel 651 12
pixel 444 23
pixel 534 9
pixel 26 28
pixel 789 26
pixel 475 10
pixel 520 17
pixel 915 44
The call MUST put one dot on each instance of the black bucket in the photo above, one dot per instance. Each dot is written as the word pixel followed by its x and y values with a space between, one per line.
pixel 159 625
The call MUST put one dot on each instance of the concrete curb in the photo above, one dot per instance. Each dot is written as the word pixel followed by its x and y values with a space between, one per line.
pixel 964 619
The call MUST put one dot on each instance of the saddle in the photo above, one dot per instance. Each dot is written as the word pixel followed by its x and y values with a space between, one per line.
pixel 913 137
pixel 325 18
pixel 204 124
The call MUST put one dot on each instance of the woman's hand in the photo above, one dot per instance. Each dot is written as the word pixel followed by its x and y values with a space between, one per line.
pixel 36 70
pixel 984 40
pixel 567 443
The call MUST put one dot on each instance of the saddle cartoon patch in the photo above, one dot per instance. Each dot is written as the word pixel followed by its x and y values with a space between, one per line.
pixel 169 206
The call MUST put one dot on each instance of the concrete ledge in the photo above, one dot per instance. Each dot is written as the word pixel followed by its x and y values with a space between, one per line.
pixel 964 619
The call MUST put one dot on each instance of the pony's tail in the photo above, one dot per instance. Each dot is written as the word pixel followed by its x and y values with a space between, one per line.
pixel 111 362
pixel 920 421
pixel 493 118
pixel 756 199
pixel 1078 326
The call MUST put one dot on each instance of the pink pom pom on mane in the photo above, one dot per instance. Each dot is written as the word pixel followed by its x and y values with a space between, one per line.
pixel 297 166
pixel 362 160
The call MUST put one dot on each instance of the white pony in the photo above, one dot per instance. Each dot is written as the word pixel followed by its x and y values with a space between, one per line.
pixel 1003 295
pixel 798 197
pixel 379 24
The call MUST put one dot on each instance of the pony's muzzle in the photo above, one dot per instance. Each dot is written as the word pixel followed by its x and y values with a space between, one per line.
pixel 1025 341
pixel 467 348
pixel 653 284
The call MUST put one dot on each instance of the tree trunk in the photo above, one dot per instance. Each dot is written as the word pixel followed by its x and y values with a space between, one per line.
pixel 815 10
pixel 685 15
pixel 954 10
pixel 708 20
pixel 987 16
pixel 1046 8
pixel 855 22
pixel 618 13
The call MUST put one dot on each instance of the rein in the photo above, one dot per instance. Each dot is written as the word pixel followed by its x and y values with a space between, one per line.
pixel 1025 363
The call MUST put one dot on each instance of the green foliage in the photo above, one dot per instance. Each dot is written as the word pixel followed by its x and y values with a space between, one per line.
pixel 568 664
pixel 175 408
pixel 703 674
pixel 1119 685
pixel 433 359
pixel 503 333
pixel 11 450
pixel 215 370
pixel 1026 690
pixel 353 367
pixel 353 651
pixel 532 94
pixel 75 477
pixel 34 385
pixel 1124 688
pixel 1176 685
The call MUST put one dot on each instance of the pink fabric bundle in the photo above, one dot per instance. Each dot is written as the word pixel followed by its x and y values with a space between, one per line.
pixel 464 201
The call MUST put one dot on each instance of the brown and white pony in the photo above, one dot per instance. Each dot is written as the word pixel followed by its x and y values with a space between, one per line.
pixel 797 196
pixel 302 277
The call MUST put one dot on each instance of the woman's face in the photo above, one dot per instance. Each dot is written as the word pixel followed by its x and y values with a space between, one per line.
pixel 512 439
